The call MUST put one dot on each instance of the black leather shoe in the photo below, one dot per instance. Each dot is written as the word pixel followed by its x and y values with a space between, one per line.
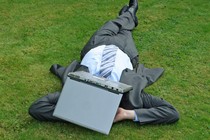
pixel 133 7
pixel 123 10
pixel 134 4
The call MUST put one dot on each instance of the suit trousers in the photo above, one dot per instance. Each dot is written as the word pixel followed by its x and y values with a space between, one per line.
pixel 116 32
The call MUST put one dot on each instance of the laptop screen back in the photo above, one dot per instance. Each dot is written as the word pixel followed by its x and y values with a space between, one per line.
pixel 87 105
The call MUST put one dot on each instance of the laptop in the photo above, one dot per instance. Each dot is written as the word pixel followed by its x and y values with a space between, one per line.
pixel 90 101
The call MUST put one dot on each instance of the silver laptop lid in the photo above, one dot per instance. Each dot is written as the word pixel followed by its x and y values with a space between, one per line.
pixel 112 86
pixel 87 105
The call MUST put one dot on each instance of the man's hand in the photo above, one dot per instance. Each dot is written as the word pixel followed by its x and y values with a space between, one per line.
pixel 123 114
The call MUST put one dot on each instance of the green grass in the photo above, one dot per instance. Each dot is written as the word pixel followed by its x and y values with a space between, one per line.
pixel 34 34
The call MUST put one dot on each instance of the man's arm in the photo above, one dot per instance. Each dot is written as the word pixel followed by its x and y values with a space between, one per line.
pixel 154 111
pixel 43 108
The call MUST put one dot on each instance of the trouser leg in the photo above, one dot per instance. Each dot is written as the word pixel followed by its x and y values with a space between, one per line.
pixel 124 40
pixel 116 32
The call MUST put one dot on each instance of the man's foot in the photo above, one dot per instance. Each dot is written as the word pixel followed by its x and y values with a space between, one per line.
pixel 133 7
pixel 123 10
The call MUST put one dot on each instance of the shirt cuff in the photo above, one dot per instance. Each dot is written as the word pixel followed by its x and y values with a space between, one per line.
pixel 136 119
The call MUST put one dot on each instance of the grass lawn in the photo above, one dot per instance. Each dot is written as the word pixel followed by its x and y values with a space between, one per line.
pixel 35 34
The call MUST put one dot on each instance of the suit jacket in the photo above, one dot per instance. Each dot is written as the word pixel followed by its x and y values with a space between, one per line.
pixel 149 109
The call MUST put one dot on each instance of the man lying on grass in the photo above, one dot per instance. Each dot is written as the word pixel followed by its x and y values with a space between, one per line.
pixel 120 63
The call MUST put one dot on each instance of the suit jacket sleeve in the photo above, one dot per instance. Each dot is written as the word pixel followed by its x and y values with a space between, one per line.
pixel 156 111
pixel 43 108
pixel 149 109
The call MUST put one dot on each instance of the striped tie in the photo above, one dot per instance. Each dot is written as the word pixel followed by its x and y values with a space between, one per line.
pixel 107 61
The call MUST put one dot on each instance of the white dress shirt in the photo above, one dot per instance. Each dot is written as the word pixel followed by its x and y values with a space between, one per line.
pixel 92 60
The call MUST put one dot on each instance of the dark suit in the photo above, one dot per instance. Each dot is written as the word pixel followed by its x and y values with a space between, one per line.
pixel 149 109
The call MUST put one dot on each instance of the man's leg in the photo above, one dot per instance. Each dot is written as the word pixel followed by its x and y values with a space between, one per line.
pixel 114 33
pixel 124 40
pixel 108 30
pixel 108 34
